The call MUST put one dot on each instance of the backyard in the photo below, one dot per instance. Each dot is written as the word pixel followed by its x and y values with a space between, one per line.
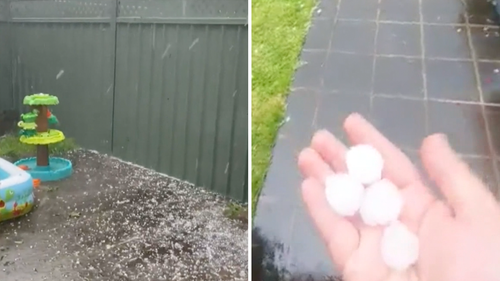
pixel 151 182
pixel 156 227
pixel 278 31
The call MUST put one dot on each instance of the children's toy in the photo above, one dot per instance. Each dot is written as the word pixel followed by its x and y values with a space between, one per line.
pixel 16 191
pixel 35 131
pixel 496 7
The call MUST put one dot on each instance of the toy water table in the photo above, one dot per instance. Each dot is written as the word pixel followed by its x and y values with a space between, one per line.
pixel 35 130
pixel 16 191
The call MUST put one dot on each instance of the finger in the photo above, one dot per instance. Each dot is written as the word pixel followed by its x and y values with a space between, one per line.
pixel 397 168
pixel 367 260
pixel 416 201
pixel 312 165
pixel 330 149
pixel 340 236
pixel 466 194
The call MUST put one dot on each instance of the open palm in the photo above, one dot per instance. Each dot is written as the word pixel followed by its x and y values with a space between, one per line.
pixel 459 237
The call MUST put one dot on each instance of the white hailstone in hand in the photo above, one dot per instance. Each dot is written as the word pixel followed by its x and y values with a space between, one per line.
pixel 382 203
pixel 364 163
pixel 344 194
pixel 399 246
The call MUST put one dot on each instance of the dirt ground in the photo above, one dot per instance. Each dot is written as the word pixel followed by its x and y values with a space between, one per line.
pixel 115 221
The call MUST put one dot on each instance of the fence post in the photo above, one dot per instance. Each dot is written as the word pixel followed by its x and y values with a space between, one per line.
pixel 12 60
pixel 115 5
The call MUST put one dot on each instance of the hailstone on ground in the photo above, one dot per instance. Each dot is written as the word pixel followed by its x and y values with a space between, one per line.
pixel 400 246
pixel 364 163
pixel 382 203
pixel 344 194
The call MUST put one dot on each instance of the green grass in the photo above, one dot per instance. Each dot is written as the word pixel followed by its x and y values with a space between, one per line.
pixel 237 211
pixel 13 150
pixel 278 31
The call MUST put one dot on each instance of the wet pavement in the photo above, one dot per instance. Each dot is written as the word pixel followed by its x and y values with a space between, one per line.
pixel 412 67
pixel 115 221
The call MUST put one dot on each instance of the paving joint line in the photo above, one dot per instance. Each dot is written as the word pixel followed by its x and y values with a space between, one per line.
pixel 462 155
pixel 395 96
pixel 374 65
pixel 335 20
pixel 424 68
pixel 401 56
pixel 460 102
pixel 483 107
pixel 492 26
pixel 327 56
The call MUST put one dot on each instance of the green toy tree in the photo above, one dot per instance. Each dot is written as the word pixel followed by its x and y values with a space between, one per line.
pixel 35 126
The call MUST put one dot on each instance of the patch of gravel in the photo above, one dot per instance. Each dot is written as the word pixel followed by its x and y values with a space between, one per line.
pixel 116 221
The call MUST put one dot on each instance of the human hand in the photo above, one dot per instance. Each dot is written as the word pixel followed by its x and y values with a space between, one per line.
pixel 459 236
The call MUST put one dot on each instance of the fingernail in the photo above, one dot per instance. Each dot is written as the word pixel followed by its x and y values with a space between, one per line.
pixel 443 137
pixel 356 115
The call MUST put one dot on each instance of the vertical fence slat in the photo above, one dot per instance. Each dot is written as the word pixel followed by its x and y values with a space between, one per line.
pixel 169 58
pixel 7 98
pixel 59 48
pixel 205 70
pixel 181 102
pixel 155 105
pixel 189 135
pixel 113 11
pixel 216 162
pixel 199 69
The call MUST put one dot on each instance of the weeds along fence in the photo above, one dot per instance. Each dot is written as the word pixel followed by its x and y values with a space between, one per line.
pixel 160 83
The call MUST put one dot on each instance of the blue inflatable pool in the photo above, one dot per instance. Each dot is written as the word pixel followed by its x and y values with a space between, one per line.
pixel 497 8
pixel 16 191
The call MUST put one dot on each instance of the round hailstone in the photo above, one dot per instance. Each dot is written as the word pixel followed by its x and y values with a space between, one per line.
pixel 382 203
pixel 364 163
pixel 399 246
pixel 344 194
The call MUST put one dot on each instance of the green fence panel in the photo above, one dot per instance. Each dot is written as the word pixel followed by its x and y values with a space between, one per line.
pixel 61 48
pixel 161 83
pixel 6 95
pixel 181 98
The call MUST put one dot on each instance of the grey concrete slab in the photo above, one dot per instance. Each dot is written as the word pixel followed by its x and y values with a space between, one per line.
pixel 115 221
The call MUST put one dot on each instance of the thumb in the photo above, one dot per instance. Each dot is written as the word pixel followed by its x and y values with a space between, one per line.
pixel 465 193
